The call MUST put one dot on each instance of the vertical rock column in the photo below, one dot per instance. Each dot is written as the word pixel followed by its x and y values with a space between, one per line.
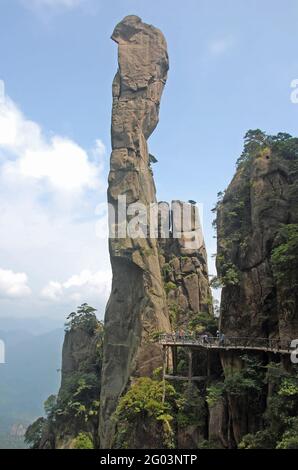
pixel 137 306
pixel 184 265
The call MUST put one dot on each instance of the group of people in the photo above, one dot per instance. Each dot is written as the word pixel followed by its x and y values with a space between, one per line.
pixel 181 334
pixel 219 335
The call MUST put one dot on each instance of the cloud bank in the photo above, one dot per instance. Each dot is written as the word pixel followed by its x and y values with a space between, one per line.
pixel 57 161
pixel 13 284
pixel 49 189
pixel 97 283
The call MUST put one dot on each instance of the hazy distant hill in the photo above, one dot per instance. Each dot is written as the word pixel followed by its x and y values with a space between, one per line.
pixel 33 325
pixel 29 376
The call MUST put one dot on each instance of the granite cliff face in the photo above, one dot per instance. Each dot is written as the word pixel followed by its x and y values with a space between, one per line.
pixel 257 221
pixel 81 355
pixel 184 267
pixel 137 306
pixel 261 198
pixel 75 410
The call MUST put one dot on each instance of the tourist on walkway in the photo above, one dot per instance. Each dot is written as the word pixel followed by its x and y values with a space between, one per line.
pixel 205 339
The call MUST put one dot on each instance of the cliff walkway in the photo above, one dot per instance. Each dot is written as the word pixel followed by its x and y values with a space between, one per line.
pixel 171 343
pixel 228 343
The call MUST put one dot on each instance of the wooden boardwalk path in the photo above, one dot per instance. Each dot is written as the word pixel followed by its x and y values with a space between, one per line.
pixel 229 343
pixel 173 341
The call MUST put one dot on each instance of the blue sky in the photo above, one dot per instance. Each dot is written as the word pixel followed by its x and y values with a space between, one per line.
pixel 231 66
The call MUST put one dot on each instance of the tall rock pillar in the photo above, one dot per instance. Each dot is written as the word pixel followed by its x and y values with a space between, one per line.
pixel 137 307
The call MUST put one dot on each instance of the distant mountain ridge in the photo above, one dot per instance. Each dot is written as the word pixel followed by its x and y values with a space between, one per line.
pixel 33 325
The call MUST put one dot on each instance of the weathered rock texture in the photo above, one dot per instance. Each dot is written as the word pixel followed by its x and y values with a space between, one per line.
pixel 185 270
pixel 81 356
pixel 218 424
pixel 261 198
pixel 137 306
pixel 258 201
pixel 80 353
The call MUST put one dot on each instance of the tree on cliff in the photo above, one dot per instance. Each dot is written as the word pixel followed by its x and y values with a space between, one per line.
pixel 72 416
pixel 84 317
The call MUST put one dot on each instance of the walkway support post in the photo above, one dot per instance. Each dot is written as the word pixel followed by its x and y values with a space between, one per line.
pixel 175 359
pixel 168 360
pixel 164 368
pixel 208 364
pixel 189 364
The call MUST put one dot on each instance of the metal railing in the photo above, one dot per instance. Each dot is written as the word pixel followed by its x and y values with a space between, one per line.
pixel 227 342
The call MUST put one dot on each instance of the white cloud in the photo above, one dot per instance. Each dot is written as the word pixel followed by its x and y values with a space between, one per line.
pixel 53 291
pixel 220 46
pixel 48 218
pixel 85 285
pixel 58 161
pixel 2 91
pixel 63 163
pixel 13 284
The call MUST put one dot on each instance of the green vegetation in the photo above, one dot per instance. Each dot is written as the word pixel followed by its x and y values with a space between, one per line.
pixel 78 400
pixel 152 410
pixel 76 408
pixel 84 318
pixel 261 440
pixel 34 433
pixel 166 270
pixel 169 286
pixel 215 393
pixel 175 311
pixel 230 274
pixel 280 418
pixel 191 407
pixel 211 444
pixel 255 141
pixel 285 256
pixel 284 260
pixel 234 226
pixel 247 382
pixel 143 406
pixel 83 441
pixel 203 322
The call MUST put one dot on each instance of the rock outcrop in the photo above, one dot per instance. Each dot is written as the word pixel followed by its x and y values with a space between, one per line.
pixel 75 409
pixel 137 307
pixel 81 357
pixel 260 199
pixel 259 204
pixel 80 353
pixel 184 267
